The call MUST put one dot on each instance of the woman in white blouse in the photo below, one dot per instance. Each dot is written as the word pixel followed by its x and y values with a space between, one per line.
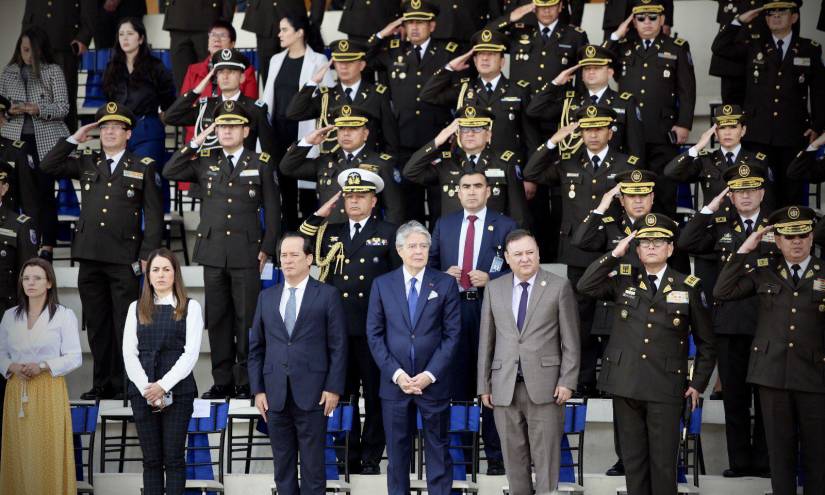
pixel 161 342
pixel 39 344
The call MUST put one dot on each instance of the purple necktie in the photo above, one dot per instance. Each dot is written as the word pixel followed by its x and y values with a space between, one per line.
pixel 522 305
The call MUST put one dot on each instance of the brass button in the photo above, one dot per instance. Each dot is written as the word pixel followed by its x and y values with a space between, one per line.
pixel 229 200
pixel 104 210
pixel 644 356
pixel 360 277
pixel 346 277
pixel 228 215
pixel 650 325
pixel 790 344
pixel 106 197
pixel 102 224
pixel 360 294
pixel 361 260
pixel 346 294
pixel 792 327
pixel 108 184
pixel 594 181
pixel 755 348
pixel 647 341
pixel 346 261
pixel 652 310
pixel 793 310
pixel 795 294
pixel 227 232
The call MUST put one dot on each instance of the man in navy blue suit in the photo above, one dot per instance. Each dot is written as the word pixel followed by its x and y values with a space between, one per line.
pixel 413 327
pixel 297 366
pixel 469 246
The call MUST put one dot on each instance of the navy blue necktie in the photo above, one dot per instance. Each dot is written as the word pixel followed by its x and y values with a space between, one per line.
pixel 522 305
pixel 412 300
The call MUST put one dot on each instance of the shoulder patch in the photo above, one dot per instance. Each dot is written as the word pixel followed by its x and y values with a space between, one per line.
pixel 626 95
pixel 507 155
pixel 760 156
pixel 608 219
pixel 395 43
pixel 206 152
pixel 632 159
pixel 565 156
pixel 762 262
pixel 451 46
pixel 570 94
pixel 87 151
pixel 446 154
pixel 23 218
pixel 625 269
pixel 720 219
pixel 385 156
pixel 380 89
pixel 691 280
pixel 523 83
pixel 18 144
pixel 147 161
pixel 264 157
pixel 679 42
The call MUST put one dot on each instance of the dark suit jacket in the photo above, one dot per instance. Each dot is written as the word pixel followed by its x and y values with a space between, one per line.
pixel 446 235
pixel 196 15
pixel 312 360
pixel 262 16
pixel 427 343
pixel 62 21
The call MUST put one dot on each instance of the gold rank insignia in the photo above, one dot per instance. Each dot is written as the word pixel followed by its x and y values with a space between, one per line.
pixel 625 269
pixel 264 157
pixel 147 161
pixel 692 280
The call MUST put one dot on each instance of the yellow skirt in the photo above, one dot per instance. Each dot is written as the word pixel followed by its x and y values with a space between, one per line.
pixel 38 455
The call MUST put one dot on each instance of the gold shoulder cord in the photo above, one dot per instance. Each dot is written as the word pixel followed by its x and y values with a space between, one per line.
pixel 336 252
pixel 573 142
pixel 323 121
pixel 461 93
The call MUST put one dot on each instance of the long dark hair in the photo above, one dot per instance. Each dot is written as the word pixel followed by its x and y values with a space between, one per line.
pixel 146 303
pixel 312 33
pixel 41 50
pixel 51 294
pixel 117 63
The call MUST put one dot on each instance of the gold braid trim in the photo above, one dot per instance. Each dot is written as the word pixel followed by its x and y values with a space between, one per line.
pixel 573 142
pixel 323 121
pixel 461 93
pixel 336 252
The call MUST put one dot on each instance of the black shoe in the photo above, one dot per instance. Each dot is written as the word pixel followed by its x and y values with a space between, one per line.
pixel 242 392
pixel 734 473
pixel 616 470
pixel 97 393
pixel 716 395
pixel 370 469
pixel 217 392
pixel 495 468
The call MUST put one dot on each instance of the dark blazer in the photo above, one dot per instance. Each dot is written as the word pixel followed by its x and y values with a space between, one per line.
pixel 362 18
pixel 262 16
pixel 427 343
pixel 196 15
pixel 444 247
pixel 63 21
pixel 707 169
pixel 311 361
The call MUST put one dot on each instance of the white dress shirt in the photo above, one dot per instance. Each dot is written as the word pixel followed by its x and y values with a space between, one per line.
pixel 598 93
pixel 55 341
pixel 659 275
pixel 552 27
pixel 752 218
pixel 299 296
pixel 803 265
pixel 693 152
pixel 352 223
pixel 786 43
pixel 115 160
pixel 493 82
pixel 601 154
pixel 479 232
pixel 231 98
pixel 419 280
pixel 354 88
pixel 185 363
pixel 517 290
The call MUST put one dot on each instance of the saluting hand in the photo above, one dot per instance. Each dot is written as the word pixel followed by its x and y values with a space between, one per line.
pixel 714 205
pixel 522 11
pixel 326 209
pixel 623 245
pixel 318 135
pixel 392 28
pixel 564 132
pixel 704 140
pixel 202 85
pixel 753 240
pixel 201 138
pixel 320 73
pixel 621 31
pixel 447 133
pixel 82 134
pixel 607 198
pixel 749 16
pixel 566 75
pixel 461 62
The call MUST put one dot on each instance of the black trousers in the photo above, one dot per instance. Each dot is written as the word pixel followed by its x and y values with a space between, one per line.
pixel 187 48
pixel 366 441
pixel 106 290
pixel 794 431
pixel 649 432
pixel 46 213
pixel 787 192
pixel 162 438
pixel 590 345
pixel 68 61
pixel 231 296
pixel 657 157
pixel 293 431
pixel 746 449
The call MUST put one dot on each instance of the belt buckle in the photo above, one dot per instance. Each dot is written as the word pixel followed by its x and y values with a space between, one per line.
pixel 470 295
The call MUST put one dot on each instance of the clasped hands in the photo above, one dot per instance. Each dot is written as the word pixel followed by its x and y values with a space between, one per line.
pixel 414 385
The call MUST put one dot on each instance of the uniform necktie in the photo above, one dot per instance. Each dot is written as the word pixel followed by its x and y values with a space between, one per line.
pixel 110 165
pixel 357 227
pixel 780 52
pixel 594 98
pixel 290 311
pixel 469 247
pixel 729 158
pixel 418 53
pixel 652 280
pixel 795 274
pixel 545 34
pixel 647 44
pixel 412 300
pixel 748 227
pixel 522 305
pixel 472 159
pixel 489 87
pixel 349 158
pixel 595 160
pixel 348 93
pixel 231 163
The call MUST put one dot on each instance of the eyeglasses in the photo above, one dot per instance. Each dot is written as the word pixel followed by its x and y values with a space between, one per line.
pixel 649 17
pixel 218 36
pixel 646 243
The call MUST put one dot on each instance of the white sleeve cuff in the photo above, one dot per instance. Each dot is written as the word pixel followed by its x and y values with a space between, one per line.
pixel 811 148
pixel 693 152
pixel 735 21
pixel 395 375
pixel 304 144
pixel 598 212
pixel 447 67
pixel 311 83
pixel 72 140
pixel 430 375
pixel 706 211
pixel 613 37
pixel 550 145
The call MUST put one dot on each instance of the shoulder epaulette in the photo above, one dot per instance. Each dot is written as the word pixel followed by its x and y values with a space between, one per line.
pixel 23 218
pixel 87 151
pixel 264 157
pixel 372 168
pixel 260 103
pixel 507 155
pixel 760 156
pixel 147 161
pixel 608 219
pixel 565 156
pixel 380 88
pixel 523 83
pixel 451 46
pixel 570 94
pixel 679 41
pixel 632 159
pixel 691 280
pixel 385 156
pixel 206 152
pixel 395 43
pixel 626 95
pixel 720 219
pixel 323 89
pixel 446 154
pixel 18 143
pixel 762 262
pixel 625 269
